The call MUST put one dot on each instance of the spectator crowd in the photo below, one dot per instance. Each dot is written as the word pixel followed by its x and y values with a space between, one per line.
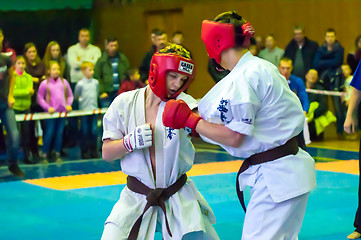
pixel 85 79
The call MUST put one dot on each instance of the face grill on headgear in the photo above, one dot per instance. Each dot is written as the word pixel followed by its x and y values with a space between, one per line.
pixel 219 36
pixel 161 65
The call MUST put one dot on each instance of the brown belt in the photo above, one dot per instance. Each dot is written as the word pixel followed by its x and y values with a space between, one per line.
pixel 289 148
pixel 155 197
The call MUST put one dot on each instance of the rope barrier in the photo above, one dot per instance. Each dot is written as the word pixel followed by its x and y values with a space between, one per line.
pixel 45 115
pixel 324 92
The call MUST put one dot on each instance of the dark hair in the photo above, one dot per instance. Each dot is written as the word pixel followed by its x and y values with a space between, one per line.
pixel 154 30
pixel 176 33
pixel 111 38
pixel 329 30
pixel 158 32
pixel 299 27
pixel 233 18
pixel 176 49
pixel 26 48
pixel 84 30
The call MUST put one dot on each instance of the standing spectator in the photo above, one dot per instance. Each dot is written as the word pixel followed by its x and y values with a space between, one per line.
pixel 87 93
pixel 327 62
pixel 110 70
pixel 329 56
pixel 53 53
pixel 54 95
pixel 298 87
pixel 160 41
pixel 318 116
pixel 7 115
pixel 4 49
pixel 132 81
pixel 271 53
pixel 23 90
pixel 301 51
pixel 80 52
pixel 353 58
pixel 36 68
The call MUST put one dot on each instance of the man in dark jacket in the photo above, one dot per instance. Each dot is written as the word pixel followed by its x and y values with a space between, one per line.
pixel 328 61
pixel 329 56
pixel 301 51
pixel 159 39
pixel 110 70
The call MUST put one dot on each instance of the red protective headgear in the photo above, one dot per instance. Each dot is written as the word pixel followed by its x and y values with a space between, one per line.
pixel 221 36
pixel 163 63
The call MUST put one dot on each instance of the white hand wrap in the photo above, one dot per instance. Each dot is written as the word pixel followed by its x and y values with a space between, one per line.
pixel 140 138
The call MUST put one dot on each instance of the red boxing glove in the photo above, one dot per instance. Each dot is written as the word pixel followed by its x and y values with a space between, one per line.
pixel 178 115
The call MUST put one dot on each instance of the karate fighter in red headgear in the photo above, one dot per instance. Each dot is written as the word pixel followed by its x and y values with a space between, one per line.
pixel 253 114
pixel 158 194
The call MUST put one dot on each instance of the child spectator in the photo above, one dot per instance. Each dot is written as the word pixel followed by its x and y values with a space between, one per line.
pixel 23 90
pixel 346 71
pixel 54 95
pixel 131 82
pixel 87 92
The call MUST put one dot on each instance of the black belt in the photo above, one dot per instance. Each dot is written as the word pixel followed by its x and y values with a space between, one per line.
pixel 155 197
pixel 289 148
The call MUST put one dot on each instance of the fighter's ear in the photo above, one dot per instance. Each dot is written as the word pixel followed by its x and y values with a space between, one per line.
pixel 153 73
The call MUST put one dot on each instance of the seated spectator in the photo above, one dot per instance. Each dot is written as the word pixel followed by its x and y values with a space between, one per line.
pixel 318 116
pixel 271 53
pixel 23 90
pixel 4 49
pixel 53 53
pixel 301 51
pixel 354 57
pixel 298 87
pixel 346 71
pixel 87 93
pixel 296 84
pixel 160 41
pixel 131 82
pixel 177 38
pixel 54 95
pixel 110 70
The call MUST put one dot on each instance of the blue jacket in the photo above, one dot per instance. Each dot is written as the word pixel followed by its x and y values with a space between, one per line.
pixel 297 86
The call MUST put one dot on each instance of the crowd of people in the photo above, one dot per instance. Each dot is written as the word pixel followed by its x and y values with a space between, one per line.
pixel 86 78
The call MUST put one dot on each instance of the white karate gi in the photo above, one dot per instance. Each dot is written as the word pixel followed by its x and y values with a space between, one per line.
pixel 187 211
pixel 255 100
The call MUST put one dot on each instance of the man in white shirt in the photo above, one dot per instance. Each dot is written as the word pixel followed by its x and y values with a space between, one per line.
pixel 253 114
pixel 80 52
